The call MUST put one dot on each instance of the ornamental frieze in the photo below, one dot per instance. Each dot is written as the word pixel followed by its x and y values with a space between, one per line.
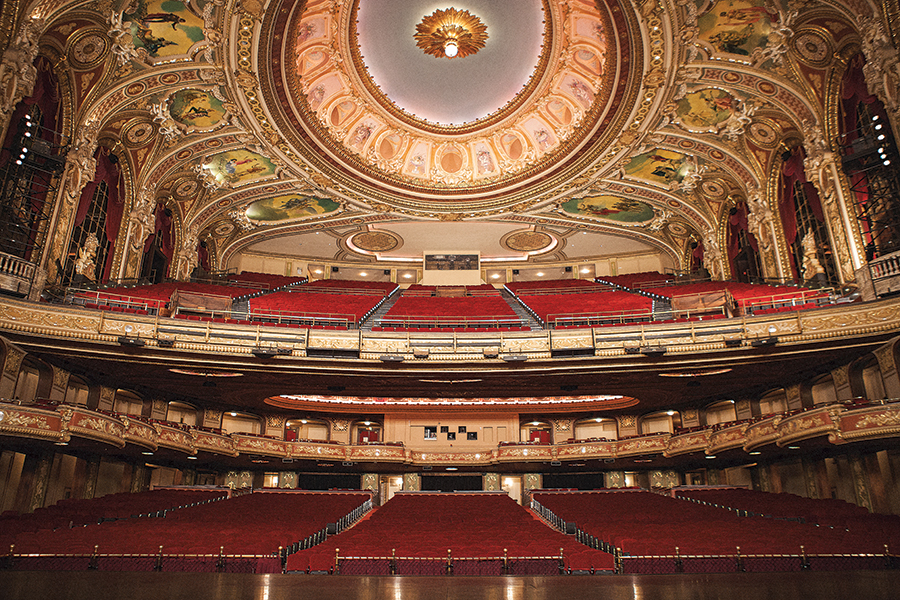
pixel 108 429
pixel 259 445
pixel 761 433
pixel 530 453
pixel 317 451
pixel 804 426
pixel 377 453
pixel 869 422
pixel 593 450
pixel 214 443
pixel 649 445
pixel 175 438
pixel 726 439
pixel 687 443
pixel 140 433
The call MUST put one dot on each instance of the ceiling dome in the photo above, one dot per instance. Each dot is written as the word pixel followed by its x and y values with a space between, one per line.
pixel 389 124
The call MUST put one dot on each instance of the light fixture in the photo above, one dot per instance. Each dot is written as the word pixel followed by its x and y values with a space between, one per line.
pixel 362 273
pixel 450 33
pixel 711 456
pixel 452 469
pixel 451 49
pixel 233 414
pixel 755 453
pixel 147 453
pixel 793 447
pixel 670 412
pixel 192 458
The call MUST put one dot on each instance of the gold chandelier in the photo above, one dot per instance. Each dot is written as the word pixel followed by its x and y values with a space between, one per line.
pixel 451 33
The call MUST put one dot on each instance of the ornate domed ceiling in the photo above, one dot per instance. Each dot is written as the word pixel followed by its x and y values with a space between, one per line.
pixel 261 123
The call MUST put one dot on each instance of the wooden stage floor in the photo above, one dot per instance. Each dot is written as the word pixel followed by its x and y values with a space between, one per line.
pixel 47 585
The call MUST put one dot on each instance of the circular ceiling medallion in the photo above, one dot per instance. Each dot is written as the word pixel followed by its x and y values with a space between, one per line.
pixel 527 241
pixel 382 119
pixel 375 241
pixel 88 49
pixel 451 33
pixel 138 133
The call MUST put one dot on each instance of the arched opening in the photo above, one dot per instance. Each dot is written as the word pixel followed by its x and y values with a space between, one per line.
pixel 596 429
pixel 128 403
pixel 659 422
pixel 306 429
pixel 182 412
pixel 805 229
pixel 77 392
pixel 366 432
pixel 870 160
pixel 743 250
pixel 239 422
pixel 538 432
pixel 773 402
pixel 823 391
pixel 720 412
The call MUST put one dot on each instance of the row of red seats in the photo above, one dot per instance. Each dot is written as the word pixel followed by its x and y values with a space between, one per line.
pixel 435 311
pixel 826 512
pixel 523 287
pixel 350 308
pixel 66 513
pixel 268 280
pixel 427 525
pixel 632 280
pixel 643 523
pixel 255 523
pixel 549 307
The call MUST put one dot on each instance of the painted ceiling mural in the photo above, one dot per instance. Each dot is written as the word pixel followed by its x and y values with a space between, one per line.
pixel 255 119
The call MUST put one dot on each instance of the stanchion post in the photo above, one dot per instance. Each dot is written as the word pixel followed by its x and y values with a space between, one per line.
pixel 449 563
pixel 337 559
pixel 392 568
pixel 739 560
pixel 804 560
pixel 92 565
pixel 679 563
pixel 158 565
pixel 220 563
pixel 505 563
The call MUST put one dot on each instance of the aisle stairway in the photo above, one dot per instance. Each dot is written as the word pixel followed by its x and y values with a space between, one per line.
pixel 382 310
pixel 527 318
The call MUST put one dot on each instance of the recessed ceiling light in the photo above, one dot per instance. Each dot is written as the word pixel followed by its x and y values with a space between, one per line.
pixel 233 414
pixel 147 453
pixel 670 412
pixel 540 274
pixel 793 447
pixel 407 276
pixel 192 458
pixel 362 273
pixel 755 453
pixel 711 456
pixel 452 469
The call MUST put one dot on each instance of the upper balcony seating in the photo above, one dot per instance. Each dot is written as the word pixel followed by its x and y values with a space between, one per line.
pixel 457 313
pixel 564 303
pixel 427 525
pixel 151 298
pixel 643 523
pixel 265 281
pixel 323 303
pixel 256 523
pixel 645 279
pixel 749 298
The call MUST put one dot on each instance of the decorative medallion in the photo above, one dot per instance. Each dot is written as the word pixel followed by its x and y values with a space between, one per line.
pixel 186 188
pixel 345 106
pixel 527 241
pixel 138 133
pixel 88 49
pixel 764 133
pixel 223 228
pixel 812 48
pixel 451 33
pixel 375 241
pixel 677 228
